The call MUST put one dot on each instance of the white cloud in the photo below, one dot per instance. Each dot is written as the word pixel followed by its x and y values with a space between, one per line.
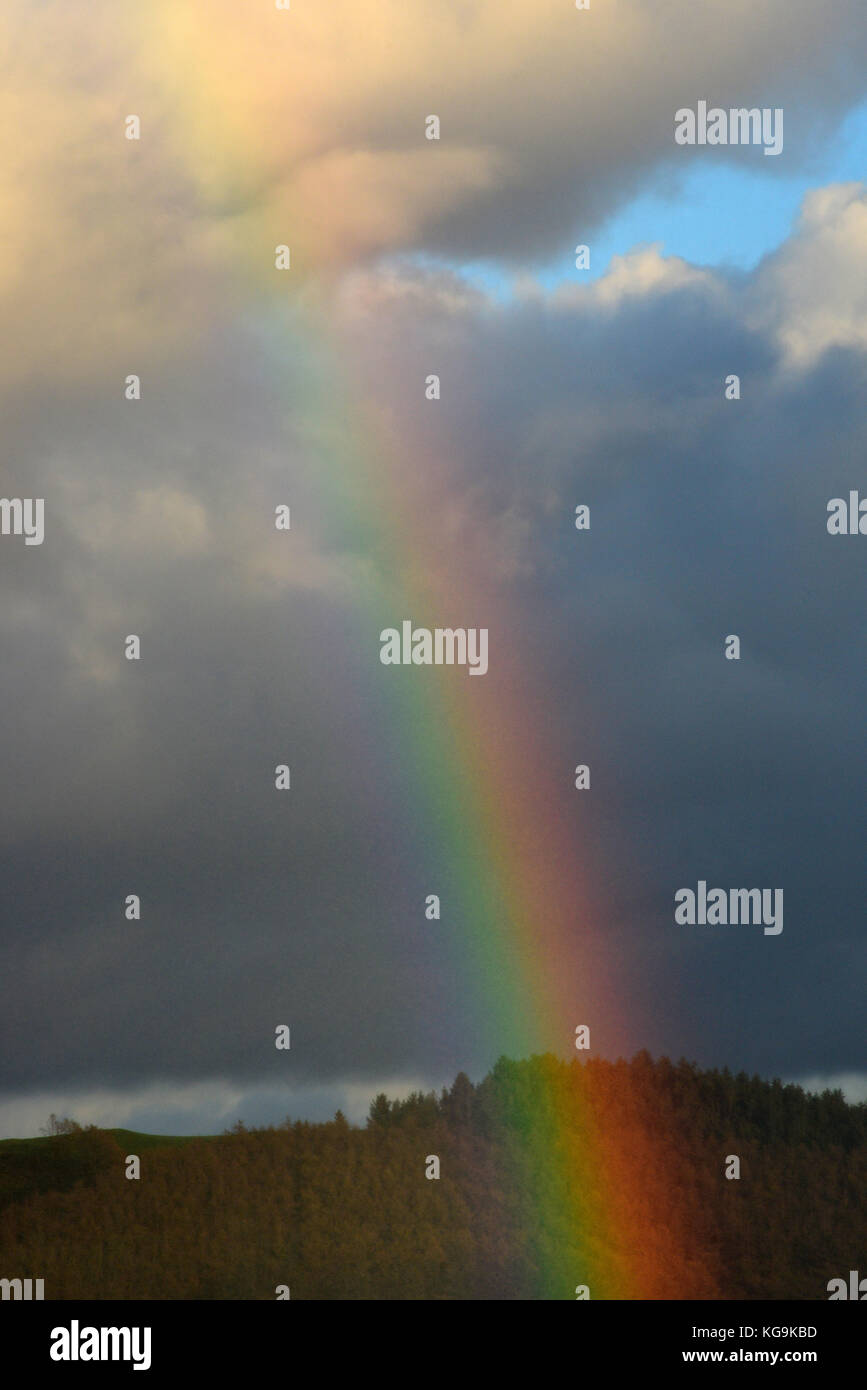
pixel 812 293
pixel 853 1084
pixel 200 1107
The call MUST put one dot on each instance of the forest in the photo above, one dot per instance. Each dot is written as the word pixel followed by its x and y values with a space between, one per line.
pixel 614 1178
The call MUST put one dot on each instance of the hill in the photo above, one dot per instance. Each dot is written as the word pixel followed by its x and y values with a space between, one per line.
pixel 552 1175
pixel 57 1163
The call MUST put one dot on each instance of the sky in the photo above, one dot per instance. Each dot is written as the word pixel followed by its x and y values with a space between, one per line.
pixel 710 214
pixel 260 647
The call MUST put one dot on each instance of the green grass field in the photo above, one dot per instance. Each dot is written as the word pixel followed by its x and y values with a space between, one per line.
pixel 126 1138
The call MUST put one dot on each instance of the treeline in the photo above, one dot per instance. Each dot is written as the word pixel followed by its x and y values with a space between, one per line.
pixel 552 1176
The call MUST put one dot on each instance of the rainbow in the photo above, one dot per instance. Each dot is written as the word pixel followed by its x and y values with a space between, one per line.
pixel 473 754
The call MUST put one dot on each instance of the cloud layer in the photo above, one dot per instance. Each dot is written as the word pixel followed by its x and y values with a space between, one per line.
pixel 260 647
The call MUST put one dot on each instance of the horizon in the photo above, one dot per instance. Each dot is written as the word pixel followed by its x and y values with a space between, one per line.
pixel 357 1109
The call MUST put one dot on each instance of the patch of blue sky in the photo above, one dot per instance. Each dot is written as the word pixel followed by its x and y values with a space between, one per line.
pixel 713 213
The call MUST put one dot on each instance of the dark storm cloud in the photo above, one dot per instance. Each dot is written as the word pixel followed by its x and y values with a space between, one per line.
pixel 261 648
pixel 708 517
